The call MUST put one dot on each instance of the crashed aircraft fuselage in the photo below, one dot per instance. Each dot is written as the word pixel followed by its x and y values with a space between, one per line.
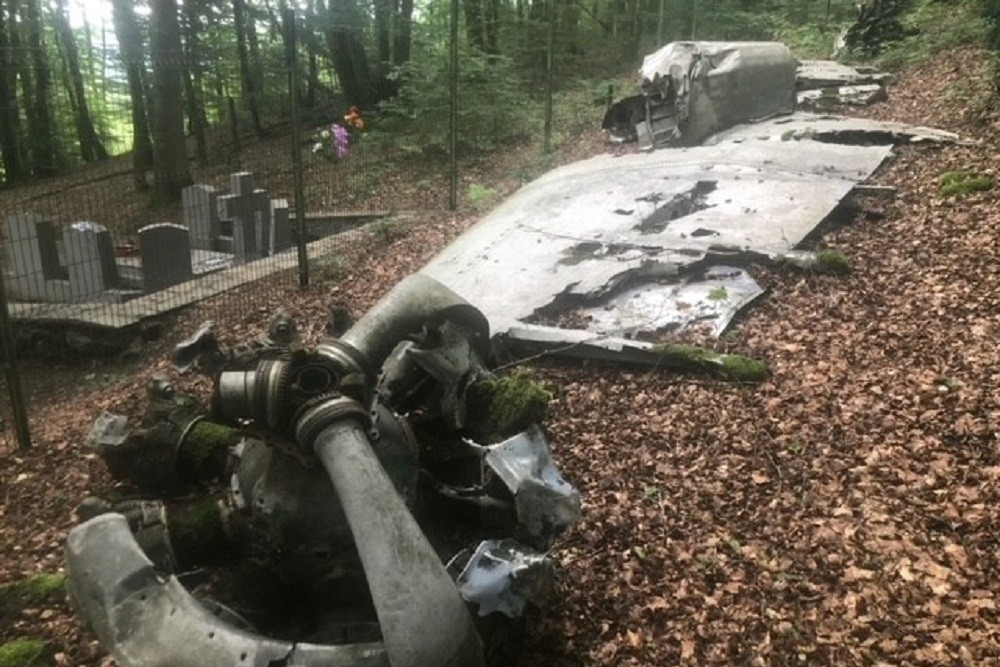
pixel 694 89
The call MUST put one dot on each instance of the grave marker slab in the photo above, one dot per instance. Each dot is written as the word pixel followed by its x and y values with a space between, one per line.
pixel 248 209
pixel 90 261
pixel 281 230
pixel 201 215
pixel 165 251
pixel 33 258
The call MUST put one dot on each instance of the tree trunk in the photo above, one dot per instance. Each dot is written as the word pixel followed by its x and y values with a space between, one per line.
pixel 347 53
pixel 130 44
pixel 404 33
pixel 91 148
pixel 383 31
pixel 492 26
pixel 246 75
pixel 309 39
pixel 10 116
pixel 171 165
pixel 45 160
pixel 193 79
pixel 474 23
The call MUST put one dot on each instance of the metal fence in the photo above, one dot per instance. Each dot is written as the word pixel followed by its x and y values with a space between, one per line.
pixel 275 174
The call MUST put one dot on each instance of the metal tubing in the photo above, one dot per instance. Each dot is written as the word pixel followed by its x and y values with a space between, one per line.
pixel 413 303
pixel 424 621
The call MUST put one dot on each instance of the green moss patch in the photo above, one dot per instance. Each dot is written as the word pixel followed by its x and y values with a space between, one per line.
pixel 21 652
pixel 500 408
pixel 961 183
pixel 34 591
pixel 832 263
pixel 197 532
pixel 204 452
pixel 734 367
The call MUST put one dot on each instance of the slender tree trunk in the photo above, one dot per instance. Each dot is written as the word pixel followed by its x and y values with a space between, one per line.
pixel 246 75
pixel 130 45
pixel 45 161
pixel 383 31
pixel 404 33
pixel 474 24
pixel 256 64
pixel 193 79
pixel 91 148
pixel 171 165
pixel 309 39
pixel 492 25
pixel 10 116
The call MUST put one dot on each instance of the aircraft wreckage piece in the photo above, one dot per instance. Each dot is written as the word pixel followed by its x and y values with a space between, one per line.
pixel 817 74
pixel 694 89
pixel 327 450
pixel 833 129
pixel 582 233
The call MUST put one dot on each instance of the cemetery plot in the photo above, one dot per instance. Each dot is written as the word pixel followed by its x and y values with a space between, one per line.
pixel 78 263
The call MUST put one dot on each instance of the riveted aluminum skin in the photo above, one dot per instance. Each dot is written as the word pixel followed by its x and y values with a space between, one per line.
pixel 147 620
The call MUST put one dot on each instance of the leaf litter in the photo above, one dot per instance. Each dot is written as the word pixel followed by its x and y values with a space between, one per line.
pixel 845 511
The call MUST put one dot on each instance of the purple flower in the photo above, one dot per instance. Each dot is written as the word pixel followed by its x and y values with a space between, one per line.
pixel 340 141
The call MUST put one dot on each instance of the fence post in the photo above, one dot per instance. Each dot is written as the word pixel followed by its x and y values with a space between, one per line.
pixel 659 24
pixel 8 349
pixel 694 20
pixel 549 48
pixel 453 111
pixel 297 168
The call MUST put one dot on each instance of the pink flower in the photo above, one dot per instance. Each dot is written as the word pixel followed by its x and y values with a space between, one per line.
pixel 340 141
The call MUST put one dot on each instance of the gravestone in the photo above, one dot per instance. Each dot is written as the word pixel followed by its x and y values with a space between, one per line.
pixel 262 215
pixel 201 215
pixel 90 261
pixel 166 256
pixel 247 209
pixel 281 230
pixel 33 258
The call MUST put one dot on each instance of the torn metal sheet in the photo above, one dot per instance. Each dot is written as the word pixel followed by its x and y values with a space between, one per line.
pixel 504 576
pixel 143 618
pixel 827 128
pixel 827 98
pixel 583 231
pixel 546 504
pixel 692 89
pixel 813 74
pixel 708 302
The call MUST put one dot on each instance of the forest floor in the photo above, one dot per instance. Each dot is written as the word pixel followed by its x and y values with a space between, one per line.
pixel 846 511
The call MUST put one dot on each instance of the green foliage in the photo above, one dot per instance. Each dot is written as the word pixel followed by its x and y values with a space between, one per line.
pixel 961 183
pixel 494 106
pixel 931 27
pixel 482 197
pixel 329 268
pixel 809 40
pixel 388 230
pixel 832 262
pixel 21 652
